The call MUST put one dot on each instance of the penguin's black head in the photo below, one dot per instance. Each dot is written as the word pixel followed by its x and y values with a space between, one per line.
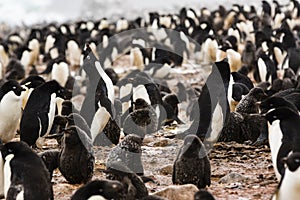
pixel 54 87
pixel 33 81
pixel 258 93
pixel 132 138
pixel 171 99
pixel 140 104
pixel 292 161
pixel 15 148
pixel 68 108
pixel 107 189
pixel 192 146
pixel 281 113
pixel 11 85
pixel 203 195
pixel 71 136
pixel 275 102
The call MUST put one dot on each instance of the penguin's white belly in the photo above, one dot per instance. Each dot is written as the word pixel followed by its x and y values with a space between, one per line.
pixel 96 197
pixel 275 137
pixel 10 114
pixel 60 73
pixel 216 124
pixel 99 122
pixel 7 173
pixel 51 113
pixel 290 186
pixel 141 92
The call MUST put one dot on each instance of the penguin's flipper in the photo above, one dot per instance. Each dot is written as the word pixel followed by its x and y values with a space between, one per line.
pixel 14 191
pixel 283 151
pixel 43 122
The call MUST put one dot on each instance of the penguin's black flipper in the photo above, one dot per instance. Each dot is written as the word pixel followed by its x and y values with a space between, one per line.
pixel 43 117
pixel 13 191
pixel 283 151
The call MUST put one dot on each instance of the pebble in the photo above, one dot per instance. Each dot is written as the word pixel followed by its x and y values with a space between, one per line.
pixel 178 192
pixel 232 178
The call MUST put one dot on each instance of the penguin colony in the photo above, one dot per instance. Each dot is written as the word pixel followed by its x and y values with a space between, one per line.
pixel 252 93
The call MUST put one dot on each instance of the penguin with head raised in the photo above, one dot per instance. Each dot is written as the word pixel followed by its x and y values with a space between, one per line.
pixel 192 164
pixel 10 109
pixel 39 112
pixel 129 152
pixel 76 159
pixel 97 108
pixel 105 189
pixel 20 161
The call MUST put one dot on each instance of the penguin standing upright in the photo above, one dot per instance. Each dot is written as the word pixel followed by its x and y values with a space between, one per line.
pixel 39 112
pixel 97 108
pixel 10 109
pixel 283 135
pixel 128 152
pixel 213 104
pixel 25 175
pixel 76 159
pixel 192 164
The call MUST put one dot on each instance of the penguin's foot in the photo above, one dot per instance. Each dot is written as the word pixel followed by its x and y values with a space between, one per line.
pixel 260 142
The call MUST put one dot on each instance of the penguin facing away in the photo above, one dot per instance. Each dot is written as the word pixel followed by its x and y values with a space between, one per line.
pixel 19 181
pixel 39 112
pixel 192 164
pixel 10 109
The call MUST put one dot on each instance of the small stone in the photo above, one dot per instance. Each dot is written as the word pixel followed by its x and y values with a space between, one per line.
pixel 178 192
pixel 160 143
pixel 244 157
pixel 232 178
pixel 166 170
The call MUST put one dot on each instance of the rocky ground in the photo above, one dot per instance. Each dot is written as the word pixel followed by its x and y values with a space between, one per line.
pixel 239 171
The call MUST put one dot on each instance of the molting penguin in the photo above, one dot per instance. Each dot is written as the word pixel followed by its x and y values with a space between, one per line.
pixel 10 109
pixel 50 159
pixel 142 120
pixel 39 112
pixel 26 176
pixel 134 185
pixel 76 159
pixel 100 188
pixel 129 152
pixel 192 164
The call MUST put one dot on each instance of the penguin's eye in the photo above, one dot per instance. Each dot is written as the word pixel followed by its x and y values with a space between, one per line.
pixel 14 87
pixel 9 150
pixel 297 160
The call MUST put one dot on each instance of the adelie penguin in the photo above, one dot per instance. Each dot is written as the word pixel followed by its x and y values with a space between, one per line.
pixel 39 112
pixel 25 175
pixel 192 164
pixel 10 109
pixel 98 189
pixel 213 104
pixel 76 159
pixel 134 185
pixel 288 187
pixel 283 135
pixel 128 152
